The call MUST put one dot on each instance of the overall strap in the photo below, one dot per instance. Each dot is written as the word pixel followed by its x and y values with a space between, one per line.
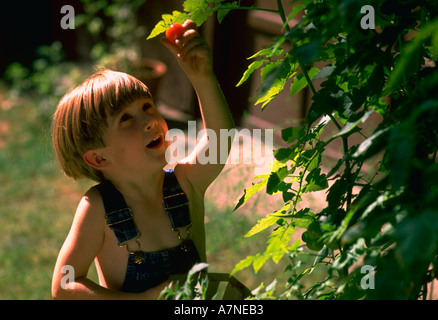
pixel 175 201
pixel 118 215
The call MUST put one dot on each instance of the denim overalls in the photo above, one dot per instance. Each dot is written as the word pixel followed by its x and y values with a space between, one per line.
pixel 148 269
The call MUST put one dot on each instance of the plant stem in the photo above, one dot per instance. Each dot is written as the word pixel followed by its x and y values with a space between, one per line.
pixel 251 9
pixel 281 12
pixel 348 176
pixel 303 70
pixel 332 118
pixel 350 183
pixel 239 8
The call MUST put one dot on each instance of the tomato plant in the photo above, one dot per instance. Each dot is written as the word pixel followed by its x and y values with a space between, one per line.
pixel 174 31
pixel 381 192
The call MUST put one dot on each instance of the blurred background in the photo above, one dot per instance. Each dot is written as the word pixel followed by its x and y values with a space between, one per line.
pixel 40 61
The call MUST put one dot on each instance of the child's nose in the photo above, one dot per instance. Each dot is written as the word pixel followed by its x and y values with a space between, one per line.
pixel 149 124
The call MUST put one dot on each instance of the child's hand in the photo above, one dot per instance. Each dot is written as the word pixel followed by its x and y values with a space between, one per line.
pixel 192 52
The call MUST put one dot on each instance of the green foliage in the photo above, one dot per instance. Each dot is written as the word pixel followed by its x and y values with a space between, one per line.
pixel 115 34
pixel 49 77
pixel 384 216
pixel 113 26
pixel 190 288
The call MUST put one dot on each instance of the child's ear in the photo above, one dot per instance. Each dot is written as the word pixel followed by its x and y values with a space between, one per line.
pixel 95 159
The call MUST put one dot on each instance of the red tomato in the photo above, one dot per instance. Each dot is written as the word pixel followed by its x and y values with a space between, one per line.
pixel 174 32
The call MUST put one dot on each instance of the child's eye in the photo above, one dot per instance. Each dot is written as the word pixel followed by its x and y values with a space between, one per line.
pixel 125 117
pixel 147 106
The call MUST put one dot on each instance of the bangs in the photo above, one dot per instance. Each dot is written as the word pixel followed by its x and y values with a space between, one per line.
pixel 110 92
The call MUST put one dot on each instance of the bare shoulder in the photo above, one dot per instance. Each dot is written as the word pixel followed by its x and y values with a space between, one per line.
pixel 90 215
pixel 85 237
pixel 93 201
pixel 92 204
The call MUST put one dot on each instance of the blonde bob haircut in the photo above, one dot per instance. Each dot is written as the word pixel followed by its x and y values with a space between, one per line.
pixel 80 118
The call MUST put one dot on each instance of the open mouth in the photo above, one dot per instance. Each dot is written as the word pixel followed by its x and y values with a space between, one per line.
pixel 156 143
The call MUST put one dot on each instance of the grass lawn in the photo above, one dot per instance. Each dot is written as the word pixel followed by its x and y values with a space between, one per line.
pixel 37 202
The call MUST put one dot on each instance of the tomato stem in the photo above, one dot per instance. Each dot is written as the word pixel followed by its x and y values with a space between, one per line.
pixel 282 15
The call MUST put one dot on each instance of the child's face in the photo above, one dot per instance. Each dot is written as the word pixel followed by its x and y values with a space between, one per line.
pixel 134 140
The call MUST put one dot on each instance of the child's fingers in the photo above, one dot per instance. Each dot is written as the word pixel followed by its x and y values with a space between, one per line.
pixel 181 42
pixel 187 37
pixel 169 45
pixel 194 47
pixel 189 24
pixel 190 49
pixel 182 48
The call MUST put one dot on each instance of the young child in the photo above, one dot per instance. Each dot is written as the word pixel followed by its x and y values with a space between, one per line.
pixel 108 129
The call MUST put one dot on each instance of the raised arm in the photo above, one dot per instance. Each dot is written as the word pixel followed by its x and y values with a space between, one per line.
pixel 194 57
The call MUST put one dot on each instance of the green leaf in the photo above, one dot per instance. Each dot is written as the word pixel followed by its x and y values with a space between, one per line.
pixel 325 72
pixel 353 122
pixel 274 166
pixel 268 221
pixel 275 179
pixel 262 224
pixel 306 271
pixel 372 144
pixel 307 53
pixel 278 243
pixel 250 191
pixel 259 262
pixel 245 263
pixel 225 9
pixel 336 193
pixel 284 154
pixel 401 148
pixel 316 181
pixel 316 161
pixel 251 68
pixel 299 82
pixel 198 10
pixel 322 254
pixel 278 246
pixel 295 245
pixel 353 233
pixel 287 195
pixel 194 5
pixel 167 20
pixel 269 52
pixel 348 258
pixel 274 77
pixel 297 8
pixel 418 249
pixel 199 17
pixel 402 69
pixel 291 134
pixel 301 219
pixel 435 44
pixel 159 28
